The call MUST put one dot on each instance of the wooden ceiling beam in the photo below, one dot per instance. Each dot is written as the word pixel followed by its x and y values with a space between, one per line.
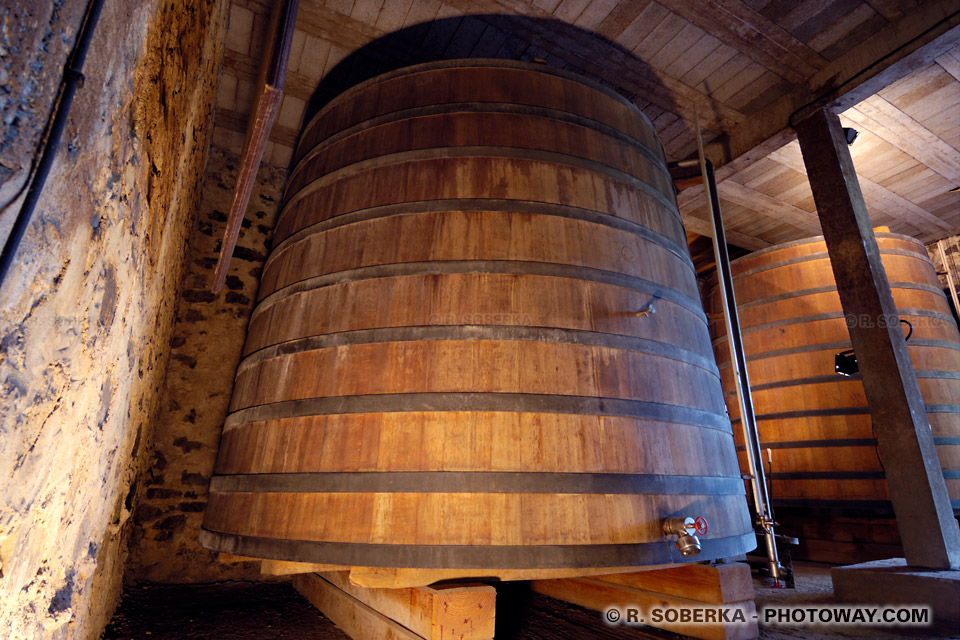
pixel 950 62
pixel 887 122
pixel 890 54
pixel 878 198
pixel 769 206
pixel 244 66
pixel 739 26
pixel 702 227
pixel 235 121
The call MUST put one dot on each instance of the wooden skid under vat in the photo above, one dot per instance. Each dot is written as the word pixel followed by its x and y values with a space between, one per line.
pixel 691 587
pixel 467 611
pixel 444 612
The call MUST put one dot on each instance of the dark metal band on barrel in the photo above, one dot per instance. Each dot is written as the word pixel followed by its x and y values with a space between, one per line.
pixel 477 482
pixel 845 507
pixel 839 346
pixel 833 377
pixel 844 411
pixel 483 332
pixel 835 315
pixel 472 556
pixel 469 108
pixel 839 442
pixel 823 256
pixel 798 243
pixel 515 153
pixel 660 197
pixel 504 267
pixel 477 63
pixel 492 205
pixel 510 402
pixel 831 288
pixel 846 475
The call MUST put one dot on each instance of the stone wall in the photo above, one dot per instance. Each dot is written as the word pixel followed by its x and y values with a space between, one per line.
pixel 205 351
pixel 952 251
pixel 87 311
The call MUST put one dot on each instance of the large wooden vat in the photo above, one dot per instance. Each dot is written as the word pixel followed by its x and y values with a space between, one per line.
pixel 815 422
pixel 445 368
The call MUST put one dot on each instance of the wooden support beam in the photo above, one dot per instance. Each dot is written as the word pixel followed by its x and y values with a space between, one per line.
pixel 288 568
pixel 353 617
pixel 393 578
pixel 601 594
pixel 713 583
pixel 904 440
pixel 266 106
pixel 444 612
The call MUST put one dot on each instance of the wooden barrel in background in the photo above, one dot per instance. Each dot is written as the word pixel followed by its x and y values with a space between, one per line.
pixel 816 422
pixel 446 368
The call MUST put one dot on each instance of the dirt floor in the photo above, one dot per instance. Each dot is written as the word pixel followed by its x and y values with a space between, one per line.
pixel 270 611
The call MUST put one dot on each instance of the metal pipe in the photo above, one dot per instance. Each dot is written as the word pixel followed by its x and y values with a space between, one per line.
pixel 72 77
pixel 761 498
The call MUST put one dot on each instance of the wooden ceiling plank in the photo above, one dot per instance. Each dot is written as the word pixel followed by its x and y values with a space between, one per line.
pixel 678 47
pixel 892 10
pixel 367 10
pixel 881 118
pixel 742 80
pixel 802 11
pixel 741 27
pixel 595 13
pixel 754 89
pixel 616 22
pixel 695 55
pixel 548 6
pixel 917 85
pixel 234 121
pixel 569 10
pixel 645 21
pixel 617 68
pixel 890 54
pixel 838 13
pixel 701 226
pixel 489 43
pixel 876 196
pixel 769 206
pixel 466 38
pixel 759 172
pixel 392 15
pixel 950 61
pixel 826 38
pixel 658 38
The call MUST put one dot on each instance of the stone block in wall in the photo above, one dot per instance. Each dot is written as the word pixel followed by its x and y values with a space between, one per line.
pixel 205 350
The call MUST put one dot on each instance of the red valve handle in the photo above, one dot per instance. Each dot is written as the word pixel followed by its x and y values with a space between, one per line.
pixel 701 525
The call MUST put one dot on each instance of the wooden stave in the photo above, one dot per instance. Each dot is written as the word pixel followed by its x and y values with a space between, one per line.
pixel 663 550
pixel 341 114
pixel 933 348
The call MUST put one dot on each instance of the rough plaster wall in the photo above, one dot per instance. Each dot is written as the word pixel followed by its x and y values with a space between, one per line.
pixel 205 351
pixel 86 314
